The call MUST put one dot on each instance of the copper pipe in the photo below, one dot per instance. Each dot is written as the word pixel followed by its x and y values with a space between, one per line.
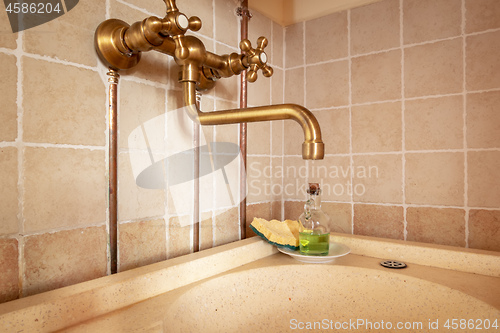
pixel 113 169
pixel 245 16
pixel 312 148
pixel 196 188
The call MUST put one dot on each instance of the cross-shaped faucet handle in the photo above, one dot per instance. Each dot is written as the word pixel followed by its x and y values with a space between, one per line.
pixel 256 58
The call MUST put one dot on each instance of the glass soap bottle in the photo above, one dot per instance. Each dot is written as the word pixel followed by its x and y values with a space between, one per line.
pixel 314 237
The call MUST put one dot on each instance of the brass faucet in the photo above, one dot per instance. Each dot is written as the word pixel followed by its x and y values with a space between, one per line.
pixel 120 46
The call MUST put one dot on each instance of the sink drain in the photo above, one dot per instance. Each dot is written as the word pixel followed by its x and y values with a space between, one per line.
pixel 393 264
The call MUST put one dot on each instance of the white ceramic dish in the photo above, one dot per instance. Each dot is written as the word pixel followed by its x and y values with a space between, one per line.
pixel 336 250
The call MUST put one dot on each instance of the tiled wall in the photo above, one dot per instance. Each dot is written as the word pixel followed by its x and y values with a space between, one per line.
pixel 406 93
pixel 409 90
pixel 53 146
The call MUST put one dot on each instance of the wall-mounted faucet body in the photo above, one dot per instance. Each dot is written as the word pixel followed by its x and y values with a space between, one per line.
pixel 120 46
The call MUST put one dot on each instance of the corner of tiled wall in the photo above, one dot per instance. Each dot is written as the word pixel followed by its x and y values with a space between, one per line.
pixel 410 88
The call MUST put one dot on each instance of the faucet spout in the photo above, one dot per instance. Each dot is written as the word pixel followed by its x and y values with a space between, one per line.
pixel 312 148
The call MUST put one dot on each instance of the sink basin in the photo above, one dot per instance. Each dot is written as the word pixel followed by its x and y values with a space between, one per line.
pixel 328 297
pixel 248 286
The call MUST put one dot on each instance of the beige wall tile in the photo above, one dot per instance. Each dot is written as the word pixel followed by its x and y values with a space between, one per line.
pixel 483 180
pixel 8 86
pixel 481 15
pixel 426 20
pixel 484 229
pixel 334 130
pixel 70 37
pixel 58 108
pixel 129 14
pixel 261 210
pixel 9 266
pixel 293 209
pixel 258 179
pixel 377 178
pixel 376 77
pixel 8 191
pixel 435 178
pixel 145 109
pixel 375 27
pixel 141 243
pixel 294 93
pixel 55 260
pixel 276 180
pixel 63 188
pixel 276 210
pixel 482 61
pixel 258 26
pixel 156 7
pixel 379 221
pixel 277 91
pixel 226 23
pixel 293 138
pixel 326 38
pixel 259 138
pixel 259 92
pixel 227 193
pixel 327 85
pixel 333 174
pixel 294 178
pixel 435 123
pixel 376 127
pixel 227 227
pixel 175 99
pixel 206 231
pixel 437 226
pixel 135 202
pixel 179 237
pixel 340 216
pixel 7 37
pixel 294 41
pixel 483 120
pixel 277 137
pixel 434 69
pixel 277 45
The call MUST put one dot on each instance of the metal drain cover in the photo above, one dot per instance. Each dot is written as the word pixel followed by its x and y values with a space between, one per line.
pixel 393 264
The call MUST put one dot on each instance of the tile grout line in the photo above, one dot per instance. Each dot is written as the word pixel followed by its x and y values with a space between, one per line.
pixel 270 126
pixel 464 105
pixel 282 206
pixel 106 157
pixel 351 156
pixel 20 163
pixel 165 216
pixel 403 127
pixel 431 151
pixel 304 87
pixel 425 97
pixel 214 136
pixel 404 46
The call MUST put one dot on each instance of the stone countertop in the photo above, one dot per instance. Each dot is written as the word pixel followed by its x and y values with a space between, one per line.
pixel 138 298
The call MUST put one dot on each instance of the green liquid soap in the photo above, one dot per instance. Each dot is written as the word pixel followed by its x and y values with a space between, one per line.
pixel 314 244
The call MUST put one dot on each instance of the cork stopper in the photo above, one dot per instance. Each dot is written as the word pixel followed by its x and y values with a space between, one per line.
pixel 314 188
